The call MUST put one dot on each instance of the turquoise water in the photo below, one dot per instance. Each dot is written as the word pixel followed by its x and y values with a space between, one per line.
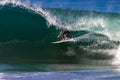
pixel 26 51
pixel 26 36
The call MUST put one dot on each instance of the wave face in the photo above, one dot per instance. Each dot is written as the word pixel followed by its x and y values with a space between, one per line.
pixel 26 35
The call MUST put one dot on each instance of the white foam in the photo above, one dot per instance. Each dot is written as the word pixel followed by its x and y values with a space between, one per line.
pixel 2 76
pixel 116 60
pixel 90 23
pixel 4 2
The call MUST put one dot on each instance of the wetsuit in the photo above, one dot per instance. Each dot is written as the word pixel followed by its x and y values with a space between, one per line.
pixel 66 35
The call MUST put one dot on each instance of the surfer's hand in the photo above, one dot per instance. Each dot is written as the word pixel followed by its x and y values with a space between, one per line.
pixel 58 36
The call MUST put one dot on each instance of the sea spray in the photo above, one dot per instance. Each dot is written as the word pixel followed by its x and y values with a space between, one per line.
pixel 116 60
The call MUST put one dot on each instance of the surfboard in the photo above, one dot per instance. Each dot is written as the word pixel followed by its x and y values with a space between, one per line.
pixel 62 41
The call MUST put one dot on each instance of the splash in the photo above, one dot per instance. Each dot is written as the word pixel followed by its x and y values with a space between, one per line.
pixel 92 24
pixel 116 60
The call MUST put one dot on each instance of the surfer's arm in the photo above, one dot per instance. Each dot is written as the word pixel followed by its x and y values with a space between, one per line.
pixel 59 34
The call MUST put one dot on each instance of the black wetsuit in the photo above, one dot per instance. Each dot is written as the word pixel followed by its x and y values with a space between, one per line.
pixel 66 34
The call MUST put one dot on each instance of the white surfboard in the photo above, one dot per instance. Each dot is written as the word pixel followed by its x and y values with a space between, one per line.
pixel 62 41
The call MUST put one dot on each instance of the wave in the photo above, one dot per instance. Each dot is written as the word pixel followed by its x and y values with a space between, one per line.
pixel 27 32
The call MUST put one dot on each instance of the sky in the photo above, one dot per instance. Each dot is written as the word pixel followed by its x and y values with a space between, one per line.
pixel 92 5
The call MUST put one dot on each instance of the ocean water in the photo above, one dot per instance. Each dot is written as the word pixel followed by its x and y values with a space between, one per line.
pixel 26 51
pixel 59 72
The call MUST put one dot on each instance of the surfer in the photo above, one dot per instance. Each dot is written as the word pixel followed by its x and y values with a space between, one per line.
pixel 64 34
